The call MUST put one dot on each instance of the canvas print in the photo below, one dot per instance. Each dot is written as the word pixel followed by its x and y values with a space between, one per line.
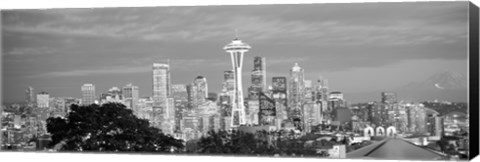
pixel 351 80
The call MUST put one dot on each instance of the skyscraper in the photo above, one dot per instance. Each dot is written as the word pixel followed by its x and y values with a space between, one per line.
pixel 296 94
pixel 168 117
pixel 226 99
pixel 130 96
pixel 88 94
pixel 161 90
pixel 267 112
pixel 29 95
pixel 435 123
pixel 228 82
pixel 417 118
pixel 179 94
pixel 237 49
pixel 191 93
pixel 201 87
pixel 321 96
pixel 259 80
pixel 279 94
pixel 311 108
pixel 43 100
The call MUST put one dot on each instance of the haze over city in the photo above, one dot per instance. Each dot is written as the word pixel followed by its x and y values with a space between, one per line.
pixel 357 47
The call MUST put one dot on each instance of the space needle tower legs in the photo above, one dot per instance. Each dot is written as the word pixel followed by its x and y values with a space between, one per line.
pixel 237 49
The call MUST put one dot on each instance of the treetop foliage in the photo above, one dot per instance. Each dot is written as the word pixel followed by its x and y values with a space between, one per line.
pixel 110 127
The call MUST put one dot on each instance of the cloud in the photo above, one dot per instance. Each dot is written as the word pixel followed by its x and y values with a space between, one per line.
pixel 196 64
pixel 283 61
pixel 29 51
pixel 141 65
pixel 98 71
pixel 196 24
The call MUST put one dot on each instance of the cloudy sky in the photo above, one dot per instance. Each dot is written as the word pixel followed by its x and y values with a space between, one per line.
pixel 357 47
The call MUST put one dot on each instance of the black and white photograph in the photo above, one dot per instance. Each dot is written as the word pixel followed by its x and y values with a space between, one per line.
pixel 372 80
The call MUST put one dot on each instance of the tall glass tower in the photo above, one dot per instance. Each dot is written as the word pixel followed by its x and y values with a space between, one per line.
pixel 161 90
pixel 88 94
pixel 236 49
pixel 296 94
pixel 29 95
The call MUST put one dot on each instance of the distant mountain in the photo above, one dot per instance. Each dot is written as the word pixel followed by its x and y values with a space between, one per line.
pixel 448 86
pixel 440 81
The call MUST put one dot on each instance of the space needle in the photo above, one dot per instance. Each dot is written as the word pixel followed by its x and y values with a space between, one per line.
pixel 236 49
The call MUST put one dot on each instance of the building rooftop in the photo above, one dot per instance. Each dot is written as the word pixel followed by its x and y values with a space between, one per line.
pixel 394 149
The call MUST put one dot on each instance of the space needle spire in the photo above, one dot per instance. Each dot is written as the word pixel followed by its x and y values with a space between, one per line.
pixel 237 49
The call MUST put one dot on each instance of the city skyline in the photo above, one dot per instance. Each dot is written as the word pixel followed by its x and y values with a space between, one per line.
pixel 108 47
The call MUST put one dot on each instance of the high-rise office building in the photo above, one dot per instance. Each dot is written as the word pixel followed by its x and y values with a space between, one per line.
pixel 258 78
pixel 88 94
pixel 335 101
pixel 267 112
pixel 191 93
pixel 145 108
pixel 205 112
pixel 311 109
pixel 228 82
pixel 436 126
pixel 309 91
pixel 29 95
pixel 43 100
pixel 168 117
pixel 190 124
pixel 180 95
pixel 311 115
pixel 321 96
pixel 390 106
pixel 130 94
pixel 201 87
pixel 296 95
pixel 237 49
pixel 252 111
pixel 161 90
pixel 226 98
pixel 322 85
pixel 225 106
pixel 416 118
pixel 258 85
pixel 279 94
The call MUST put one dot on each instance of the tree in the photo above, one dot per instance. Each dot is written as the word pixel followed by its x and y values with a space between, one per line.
pixel 235 142
pixel 261 143
pixel 110 127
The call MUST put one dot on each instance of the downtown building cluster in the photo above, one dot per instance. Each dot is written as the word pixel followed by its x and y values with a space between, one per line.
pixel 189 111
